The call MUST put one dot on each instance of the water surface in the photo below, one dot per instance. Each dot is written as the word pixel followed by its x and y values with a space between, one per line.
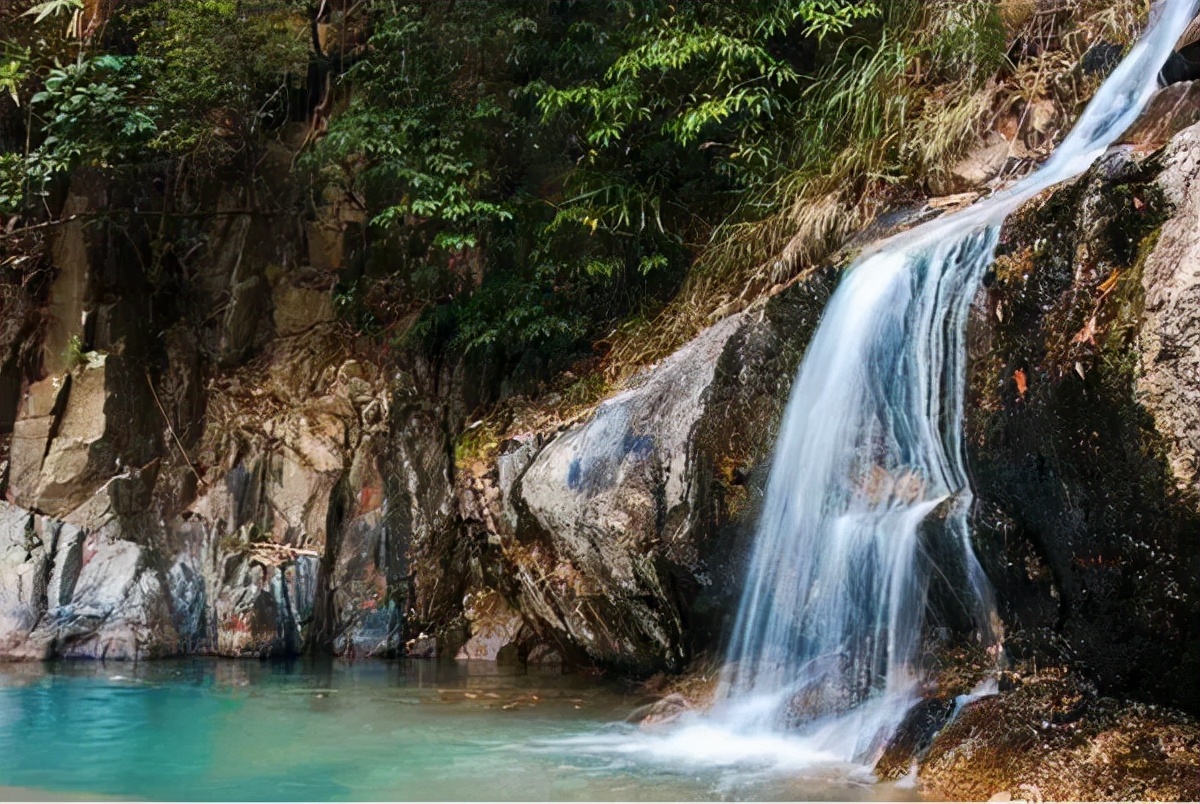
pixel 248 730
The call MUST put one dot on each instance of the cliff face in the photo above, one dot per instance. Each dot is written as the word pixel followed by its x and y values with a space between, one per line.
pixel 1083 425
pixel 214 464
pixel 192 452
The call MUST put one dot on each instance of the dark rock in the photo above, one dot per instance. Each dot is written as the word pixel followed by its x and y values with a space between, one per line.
pixel 1182 65
pixel 1086 514
pixel 913 737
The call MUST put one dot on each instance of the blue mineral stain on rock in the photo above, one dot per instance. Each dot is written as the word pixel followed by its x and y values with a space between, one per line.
pixel 595 468
pixel 639 446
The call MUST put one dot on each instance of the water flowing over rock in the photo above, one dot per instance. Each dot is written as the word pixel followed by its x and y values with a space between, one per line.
pixel 1087 513
pixel 831 617
pixel 223 468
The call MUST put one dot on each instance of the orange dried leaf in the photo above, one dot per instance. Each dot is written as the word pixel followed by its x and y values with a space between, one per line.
pixel 1022 383
pixel 1108 284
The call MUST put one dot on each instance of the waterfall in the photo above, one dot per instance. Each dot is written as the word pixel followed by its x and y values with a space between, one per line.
pixel 870 461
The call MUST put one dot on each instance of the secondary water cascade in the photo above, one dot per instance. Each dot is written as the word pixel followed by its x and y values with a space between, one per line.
pixel 870 463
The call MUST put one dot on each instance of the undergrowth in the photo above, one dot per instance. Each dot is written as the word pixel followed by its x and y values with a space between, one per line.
pixel 890 116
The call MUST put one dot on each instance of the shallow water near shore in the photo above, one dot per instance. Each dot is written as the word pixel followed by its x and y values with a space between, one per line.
pixel 248 730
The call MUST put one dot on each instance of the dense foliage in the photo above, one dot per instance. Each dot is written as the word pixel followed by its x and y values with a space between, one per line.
pixel 534 175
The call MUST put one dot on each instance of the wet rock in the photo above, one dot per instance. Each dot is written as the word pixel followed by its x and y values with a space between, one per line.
pixel 493 626
pixel 667 709
pixel 1055 739
pixel 1182 65
pixel 1170 111
pixel 827 695
pixel 1082 423
pixel 913 737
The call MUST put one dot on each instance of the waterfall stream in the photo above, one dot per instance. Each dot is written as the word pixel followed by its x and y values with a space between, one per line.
pixel 870 463
pixel 869 473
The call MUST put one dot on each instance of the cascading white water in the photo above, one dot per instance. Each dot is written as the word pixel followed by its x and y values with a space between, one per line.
pixel 823 661
pixel 828 633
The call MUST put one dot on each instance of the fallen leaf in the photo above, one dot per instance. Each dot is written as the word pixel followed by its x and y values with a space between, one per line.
pixel 1138 204
pixel 1087 334
pixel 1079 370
pixel 1022 383
pixel 1108 284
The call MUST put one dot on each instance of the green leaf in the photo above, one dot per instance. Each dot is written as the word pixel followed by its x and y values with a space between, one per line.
pixel 53 8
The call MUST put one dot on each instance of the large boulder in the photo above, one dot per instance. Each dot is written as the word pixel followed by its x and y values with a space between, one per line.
pixel 64 593
pixel 1168 340
pixel 618 539
pixel 1082 425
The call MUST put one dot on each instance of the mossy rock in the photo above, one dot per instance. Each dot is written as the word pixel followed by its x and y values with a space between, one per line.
pixel 1078 521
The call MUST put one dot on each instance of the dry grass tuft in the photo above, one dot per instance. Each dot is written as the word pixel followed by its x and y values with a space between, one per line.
pixel 905 123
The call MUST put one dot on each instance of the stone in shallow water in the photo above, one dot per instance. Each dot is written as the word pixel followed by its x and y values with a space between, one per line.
pixel 913 737
pixel 494 625
pixel 663 711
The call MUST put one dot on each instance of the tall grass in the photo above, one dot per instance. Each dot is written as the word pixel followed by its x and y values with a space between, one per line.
pixel 893 110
